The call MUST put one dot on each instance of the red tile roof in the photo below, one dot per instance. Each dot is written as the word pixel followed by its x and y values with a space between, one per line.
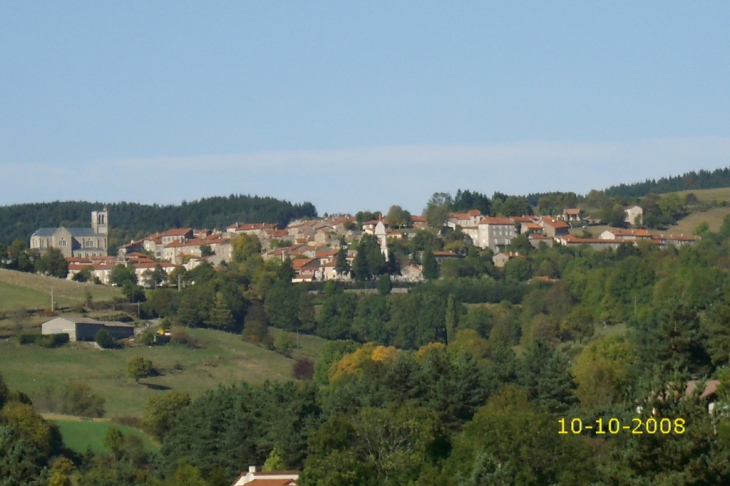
pixel 494 220
pixel 177 232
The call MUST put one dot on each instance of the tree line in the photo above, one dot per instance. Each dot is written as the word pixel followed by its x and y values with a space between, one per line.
pixel 132 220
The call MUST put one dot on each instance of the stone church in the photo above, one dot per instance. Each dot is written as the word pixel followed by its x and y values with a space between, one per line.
pixel 76 242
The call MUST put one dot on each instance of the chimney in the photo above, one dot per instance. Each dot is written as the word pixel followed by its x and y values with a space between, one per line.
pixel 252 469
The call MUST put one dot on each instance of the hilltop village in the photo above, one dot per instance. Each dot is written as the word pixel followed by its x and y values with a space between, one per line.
pixel 313 245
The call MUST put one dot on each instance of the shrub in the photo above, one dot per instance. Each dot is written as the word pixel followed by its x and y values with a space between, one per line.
pixel 181 337
pixel 139 368
pixel 75 399
pixel 284 344
pixel 104 339
pixel 44 340
pixel 303 369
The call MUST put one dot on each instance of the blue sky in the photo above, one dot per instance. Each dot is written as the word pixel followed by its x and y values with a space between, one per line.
pixel 356 105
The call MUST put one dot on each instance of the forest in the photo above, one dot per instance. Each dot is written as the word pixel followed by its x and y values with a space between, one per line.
pixel 131 220
pixel 693 180
pixel 478 376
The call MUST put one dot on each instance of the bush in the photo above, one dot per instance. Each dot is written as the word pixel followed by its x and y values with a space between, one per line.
pixel 181 337
pixel 44 340
pixel 303 369
pixel 73 399
pixel 104 339
pixel 139 368
pixel 284 344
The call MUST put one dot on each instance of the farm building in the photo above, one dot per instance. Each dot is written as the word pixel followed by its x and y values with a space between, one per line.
pixel 274 478
pixel 84 329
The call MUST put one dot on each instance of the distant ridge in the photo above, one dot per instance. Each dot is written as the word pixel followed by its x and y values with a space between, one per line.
pixel 129 220
pixel 703 179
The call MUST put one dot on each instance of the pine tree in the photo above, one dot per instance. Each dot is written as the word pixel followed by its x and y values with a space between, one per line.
pixel 430 266
pixel 360 266
pixel 220 315
pixel 451 319
pixel 342 267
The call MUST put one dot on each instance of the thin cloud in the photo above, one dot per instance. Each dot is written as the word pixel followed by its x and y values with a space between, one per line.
pixel 368 177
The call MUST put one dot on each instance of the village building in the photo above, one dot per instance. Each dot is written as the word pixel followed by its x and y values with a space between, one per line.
pixel 76 242
pixel 554 227
pixel 572 215
pixel 501 259
pixel 634 215
pixel 273 478
pixel 84 329
pixel 492 232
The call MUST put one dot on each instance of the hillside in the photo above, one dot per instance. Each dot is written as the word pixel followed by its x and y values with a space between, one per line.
pixel 34 291
pixel 129 220
pixel 218 358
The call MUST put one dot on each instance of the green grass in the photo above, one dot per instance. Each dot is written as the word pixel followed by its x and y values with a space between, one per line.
pixel 708 195
pixel 713 217
pixel 34 291
pixel 221 358
pixel 79 435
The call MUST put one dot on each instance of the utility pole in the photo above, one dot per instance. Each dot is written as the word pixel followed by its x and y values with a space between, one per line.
pixel 52 303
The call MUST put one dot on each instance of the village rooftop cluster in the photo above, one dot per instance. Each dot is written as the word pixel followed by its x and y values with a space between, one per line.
pixel 313 245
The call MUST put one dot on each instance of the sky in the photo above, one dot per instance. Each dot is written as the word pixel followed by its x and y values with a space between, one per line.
pixel 356 105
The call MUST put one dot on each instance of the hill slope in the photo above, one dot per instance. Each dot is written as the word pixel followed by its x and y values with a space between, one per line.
pixel 34 291
pixel 218 358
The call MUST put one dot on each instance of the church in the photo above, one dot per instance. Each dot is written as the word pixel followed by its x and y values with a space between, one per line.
pixel 76 242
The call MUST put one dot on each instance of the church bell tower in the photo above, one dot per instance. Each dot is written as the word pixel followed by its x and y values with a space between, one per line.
pixel 100 222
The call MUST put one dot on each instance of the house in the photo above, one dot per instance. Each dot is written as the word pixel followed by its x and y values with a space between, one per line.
pixel 440 256
pixel 572 215
pixel 274 478
pixel 84 329
pixel 634 215
pixel 76 242
pixel 554 227
pixel 470 218
pixel 536 239
pixel 622 234
pixel 419 222
pixel 501 259
pixel 492 232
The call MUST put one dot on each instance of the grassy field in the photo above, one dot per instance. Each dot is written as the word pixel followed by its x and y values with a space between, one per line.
pixel 34 291
pixel 713 217
pixel 709 195
pixel 82 434
pixel 219 358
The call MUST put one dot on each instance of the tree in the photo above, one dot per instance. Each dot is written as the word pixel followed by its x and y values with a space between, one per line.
pixel 104 339
pixel 161 412
pixel 220 316
pixel 398 217
pixel 303 369
pixel 206 250
pixel 52 263
pixel 133 293
pixel 438 209
pixel 430 266
pixel 342 267
pixel 138 368
pixel 602 371
pixel 384 285
pixel 517 270
pixel 83 275
pixel 360 266
pixel 121 275
pixel 274 462
pixel 246 246
pixel 545 373
pixel 452 322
